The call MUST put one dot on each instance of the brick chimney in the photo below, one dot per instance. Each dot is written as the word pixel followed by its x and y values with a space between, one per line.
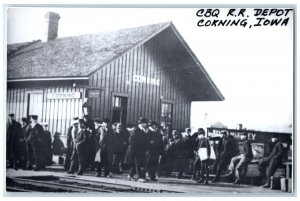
pixel 51 25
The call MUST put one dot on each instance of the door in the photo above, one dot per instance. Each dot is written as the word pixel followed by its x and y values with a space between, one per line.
pixel 119 112
pixel 35 105
pixel 166 116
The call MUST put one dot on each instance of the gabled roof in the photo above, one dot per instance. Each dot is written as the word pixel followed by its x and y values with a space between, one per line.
pixel 76 56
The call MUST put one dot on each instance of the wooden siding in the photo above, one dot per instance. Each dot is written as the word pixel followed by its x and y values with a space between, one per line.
pixel 58 113
pixel 144 100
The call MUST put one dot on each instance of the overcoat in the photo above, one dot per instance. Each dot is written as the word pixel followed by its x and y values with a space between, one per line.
pixel 138 145
pixel 104 144
pixel 13 134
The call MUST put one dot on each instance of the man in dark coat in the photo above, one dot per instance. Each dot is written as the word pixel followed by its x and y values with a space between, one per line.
pixel 190 142
pixel 224 152
pixel 136 152
pixel 154 151
pixel 203 143
pixel 180 153
pixel 29 147
pixel 92 150
pixel 81 150
pixel 162 166
pixel 24 154
pixel 13 138
pixel 35 135
pixel 104 147
pixel 121 137
pixel 57 145
pixel 72 133
pixel 46 145
pixel 272 161
pixel 239 164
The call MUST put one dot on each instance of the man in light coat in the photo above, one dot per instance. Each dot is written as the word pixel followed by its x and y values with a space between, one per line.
pixel 239 164
pixel 80 152
pixel 104 147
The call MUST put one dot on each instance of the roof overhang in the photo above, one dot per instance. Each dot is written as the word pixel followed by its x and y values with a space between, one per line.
pixel 47 79
pixel 217 93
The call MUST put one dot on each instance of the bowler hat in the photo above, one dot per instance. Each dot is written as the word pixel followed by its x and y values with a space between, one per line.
pixel 142 120
pixel 97 120
pixel 11 115
pixel 153 123
pixel 201 131
pixel 34 117
pixel 56 134
pixel 106 120
pixel 24 119
pixel 81 121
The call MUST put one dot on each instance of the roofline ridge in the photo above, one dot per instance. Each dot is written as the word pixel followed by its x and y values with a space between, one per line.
pixel 104 32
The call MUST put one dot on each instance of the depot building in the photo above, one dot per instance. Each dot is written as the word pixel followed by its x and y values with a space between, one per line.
pixel 146 71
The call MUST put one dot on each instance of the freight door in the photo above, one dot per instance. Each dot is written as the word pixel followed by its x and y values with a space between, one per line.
pixel 35 105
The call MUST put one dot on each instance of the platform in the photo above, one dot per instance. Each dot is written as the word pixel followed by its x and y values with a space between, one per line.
pixel 186 186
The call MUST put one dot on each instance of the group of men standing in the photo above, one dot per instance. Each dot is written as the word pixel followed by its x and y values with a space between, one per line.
pixel 28 145
pixel 108 149
pixel 145 150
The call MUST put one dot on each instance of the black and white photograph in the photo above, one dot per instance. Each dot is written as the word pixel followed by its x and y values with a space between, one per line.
pixel 167 100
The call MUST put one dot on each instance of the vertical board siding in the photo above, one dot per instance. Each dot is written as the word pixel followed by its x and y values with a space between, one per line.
pixel 144 99
pixel 57 113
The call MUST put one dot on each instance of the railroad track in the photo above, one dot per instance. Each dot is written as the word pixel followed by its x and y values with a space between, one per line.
pixel 69 184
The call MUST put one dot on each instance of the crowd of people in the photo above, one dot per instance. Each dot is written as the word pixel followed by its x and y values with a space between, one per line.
pixel 147 151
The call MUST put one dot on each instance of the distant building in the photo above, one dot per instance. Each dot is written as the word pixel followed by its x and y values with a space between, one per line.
pixel 145 71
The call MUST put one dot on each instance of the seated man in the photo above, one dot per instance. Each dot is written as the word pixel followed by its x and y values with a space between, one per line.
pixel 241 160
pixel 225 151
pixel 272 161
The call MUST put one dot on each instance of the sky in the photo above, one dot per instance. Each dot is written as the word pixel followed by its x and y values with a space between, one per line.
pixel 252 67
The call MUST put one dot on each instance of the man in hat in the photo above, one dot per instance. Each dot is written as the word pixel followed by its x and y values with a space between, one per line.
pixel 271 162
pixel 46 145
pixel 25 132
pixel 203 143
pixel 80 152
pixel 239 164
pixel 136 152
pixel 104 148
pixel 57 145
pixel 29 147
pixel 121 137
pixel 35 135
pixel 154 151
pixel 190 143
pixel 13 137
pixel 72 133
pixel 196 163
pixel 168 154
pixel 224 152
pixel 179 152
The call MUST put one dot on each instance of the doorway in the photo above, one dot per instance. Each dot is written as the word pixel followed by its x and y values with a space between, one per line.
pixel 166 116
pixel 119 111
